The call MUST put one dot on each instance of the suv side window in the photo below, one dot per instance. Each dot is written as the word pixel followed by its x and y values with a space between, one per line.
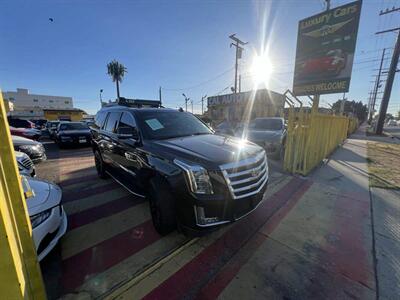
pixel 99 120
pixel 112 122
pixel 127 120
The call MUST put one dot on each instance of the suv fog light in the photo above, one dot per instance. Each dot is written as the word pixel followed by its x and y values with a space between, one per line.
pixel 201 219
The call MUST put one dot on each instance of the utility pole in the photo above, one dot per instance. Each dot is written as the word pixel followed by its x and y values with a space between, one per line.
pixel 240 83
pixel 159 94
pixel 239 51
pixel 377 85
pixel 202 104
pixel 186 100
pixel 390 78
pixel 342 104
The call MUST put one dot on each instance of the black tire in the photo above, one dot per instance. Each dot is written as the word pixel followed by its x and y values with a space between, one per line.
pixel 100 167
pixel 162 206
pixel 60 144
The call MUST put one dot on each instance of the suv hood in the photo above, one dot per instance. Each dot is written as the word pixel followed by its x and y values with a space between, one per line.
pixel 209 150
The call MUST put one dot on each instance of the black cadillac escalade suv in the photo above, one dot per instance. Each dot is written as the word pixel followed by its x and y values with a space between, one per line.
pixel 192 177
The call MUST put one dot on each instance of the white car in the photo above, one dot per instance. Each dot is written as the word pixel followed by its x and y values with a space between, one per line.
pixel 48 218
pixel 25 164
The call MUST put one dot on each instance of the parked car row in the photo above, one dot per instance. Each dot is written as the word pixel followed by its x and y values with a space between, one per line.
pixel 43 199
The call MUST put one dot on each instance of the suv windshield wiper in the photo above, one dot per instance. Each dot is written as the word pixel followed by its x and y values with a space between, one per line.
pixel 201 133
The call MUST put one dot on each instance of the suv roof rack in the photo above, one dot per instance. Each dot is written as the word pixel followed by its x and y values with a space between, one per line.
pixel 136 103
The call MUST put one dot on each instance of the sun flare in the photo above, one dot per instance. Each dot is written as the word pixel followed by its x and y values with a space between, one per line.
pixel 261 69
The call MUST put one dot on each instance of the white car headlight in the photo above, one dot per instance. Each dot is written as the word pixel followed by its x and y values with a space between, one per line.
pixel 38 219
pixel 198 178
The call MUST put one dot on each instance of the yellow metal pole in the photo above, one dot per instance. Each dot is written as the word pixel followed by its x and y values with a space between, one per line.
pixel 20 276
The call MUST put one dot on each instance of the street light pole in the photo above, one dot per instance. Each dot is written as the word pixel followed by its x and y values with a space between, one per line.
pixel 202 104
pixel 101 100
pixel 186 101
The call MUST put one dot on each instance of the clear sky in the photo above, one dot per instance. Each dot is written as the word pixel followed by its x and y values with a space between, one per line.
pixel 182 46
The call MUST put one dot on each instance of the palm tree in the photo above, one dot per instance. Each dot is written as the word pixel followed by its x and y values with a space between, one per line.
pixel 117 72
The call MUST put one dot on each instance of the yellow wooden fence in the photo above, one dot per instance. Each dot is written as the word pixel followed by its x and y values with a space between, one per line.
pixel 20 276
pixel 312 136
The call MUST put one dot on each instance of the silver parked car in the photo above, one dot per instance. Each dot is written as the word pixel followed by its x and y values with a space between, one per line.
pixel 269 133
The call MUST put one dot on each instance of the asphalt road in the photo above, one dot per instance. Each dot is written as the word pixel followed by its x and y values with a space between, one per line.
pixel 101 214
pixel 309 239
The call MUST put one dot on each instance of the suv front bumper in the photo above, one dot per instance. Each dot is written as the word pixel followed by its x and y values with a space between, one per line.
pixel 203 214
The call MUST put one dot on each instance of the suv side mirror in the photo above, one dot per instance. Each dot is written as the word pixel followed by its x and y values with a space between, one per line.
pixel 127 133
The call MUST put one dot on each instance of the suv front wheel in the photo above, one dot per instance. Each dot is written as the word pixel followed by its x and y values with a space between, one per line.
pixel 100 167
pixel 162 206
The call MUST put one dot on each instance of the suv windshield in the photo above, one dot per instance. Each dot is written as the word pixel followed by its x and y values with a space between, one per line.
pixel 169 124
pixel 73 126
pixel 52 124
pixel 266 124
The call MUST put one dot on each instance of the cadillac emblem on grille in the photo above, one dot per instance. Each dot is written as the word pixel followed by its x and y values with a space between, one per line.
pixel 255 173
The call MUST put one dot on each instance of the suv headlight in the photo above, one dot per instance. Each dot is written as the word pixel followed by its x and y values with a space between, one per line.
pixel 38 219
pixel 198 178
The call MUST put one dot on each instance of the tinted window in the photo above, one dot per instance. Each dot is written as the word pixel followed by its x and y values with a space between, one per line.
pixel 127 120
pixel 267 124
pixel 73 126
pixel 100 118
pixel 53 124
pixel 169 124
pixel 112 121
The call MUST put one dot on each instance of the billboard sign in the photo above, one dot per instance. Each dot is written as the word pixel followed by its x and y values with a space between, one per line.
pixel 325 51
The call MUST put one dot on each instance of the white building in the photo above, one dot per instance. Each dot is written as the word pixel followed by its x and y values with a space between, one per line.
pixel 31 105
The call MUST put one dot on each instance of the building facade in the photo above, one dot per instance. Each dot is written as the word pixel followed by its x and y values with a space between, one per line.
pixel 31 106
pixel 73 114
pixel 237 108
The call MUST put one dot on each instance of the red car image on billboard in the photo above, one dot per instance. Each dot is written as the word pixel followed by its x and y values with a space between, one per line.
pixel 330 64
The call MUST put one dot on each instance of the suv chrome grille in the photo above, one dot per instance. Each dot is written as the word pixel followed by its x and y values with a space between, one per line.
pixel 27 163
pixel 246 177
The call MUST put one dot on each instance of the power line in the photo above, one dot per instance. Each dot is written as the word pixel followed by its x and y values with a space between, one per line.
pixel 199 84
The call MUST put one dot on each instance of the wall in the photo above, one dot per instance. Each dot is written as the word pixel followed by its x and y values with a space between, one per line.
pixel 56 115
pixel 247 105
